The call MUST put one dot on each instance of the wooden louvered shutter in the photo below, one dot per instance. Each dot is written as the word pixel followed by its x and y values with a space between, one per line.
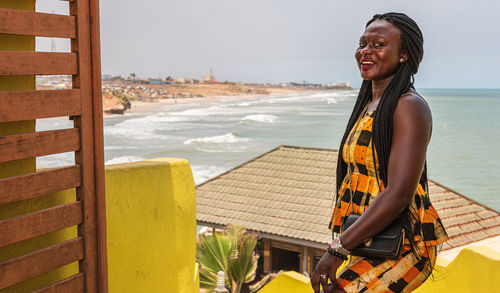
pixel 83 104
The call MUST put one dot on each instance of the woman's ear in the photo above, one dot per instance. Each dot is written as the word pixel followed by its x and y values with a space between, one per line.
pixel 403 57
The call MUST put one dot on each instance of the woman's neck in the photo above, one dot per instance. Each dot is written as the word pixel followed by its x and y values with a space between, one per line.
pixel 379 86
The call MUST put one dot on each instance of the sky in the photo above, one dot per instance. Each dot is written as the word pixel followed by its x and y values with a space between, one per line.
pixel 287 40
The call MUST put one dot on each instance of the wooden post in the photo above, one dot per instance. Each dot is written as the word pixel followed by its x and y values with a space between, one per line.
pixel 267 255
pixel 304 260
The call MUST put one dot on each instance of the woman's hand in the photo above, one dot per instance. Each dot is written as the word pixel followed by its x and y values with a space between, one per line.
pixel 327 265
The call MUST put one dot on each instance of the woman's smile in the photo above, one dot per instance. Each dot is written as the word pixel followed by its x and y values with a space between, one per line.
pixel 366 64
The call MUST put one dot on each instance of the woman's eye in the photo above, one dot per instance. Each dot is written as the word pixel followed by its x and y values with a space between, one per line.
pixel 377 44
pixel 362 44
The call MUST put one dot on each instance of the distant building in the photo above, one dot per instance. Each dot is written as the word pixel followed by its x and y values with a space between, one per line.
pixel 340 84
pixel 156 81
pixel 209 77
pixel 183 80
pixel 106 76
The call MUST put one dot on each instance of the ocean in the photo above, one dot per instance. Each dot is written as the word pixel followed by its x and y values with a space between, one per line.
pixel 216 136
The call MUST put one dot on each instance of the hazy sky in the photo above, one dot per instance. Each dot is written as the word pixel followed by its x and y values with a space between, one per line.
pixel 288 40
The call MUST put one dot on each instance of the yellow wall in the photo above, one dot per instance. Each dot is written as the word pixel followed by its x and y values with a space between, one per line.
pixel 151 224
pixel 290 282
pixel 10 83
pixel 475 269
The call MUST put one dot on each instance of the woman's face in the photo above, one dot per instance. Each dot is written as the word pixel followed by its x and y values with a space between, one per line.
pixel 379 52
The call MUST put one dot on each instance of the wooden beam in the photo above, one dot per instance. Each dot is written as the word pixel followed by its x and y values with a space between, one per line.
pixel 36 144
pixel 36 184
pixel 86 156
pixel 41 261
pixel 73 284
pixel 27 105
pixel 38 223
pixel 287 246
pixel 31 63
pixel 19 22
pixel 267 255
pixel 304 255
pixel 98 145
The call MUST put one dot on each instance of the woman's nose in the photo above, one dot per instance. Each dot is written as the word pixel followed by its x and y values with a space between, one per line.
pixel 366 50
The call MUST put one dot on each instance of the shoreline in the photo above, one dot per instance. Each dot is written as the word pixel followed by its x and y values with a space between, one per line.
pixel 143 105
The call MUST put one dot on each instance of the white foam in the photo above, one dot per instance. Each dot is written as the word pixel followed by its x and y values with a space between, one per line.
pixel 124 147
pixel 202 173
pixel 264 118
pixel 225 138
pixel 217 149
pixel 56 160
pixel 210 111
pixel 124 159
pixel 145 127
pixel 327 95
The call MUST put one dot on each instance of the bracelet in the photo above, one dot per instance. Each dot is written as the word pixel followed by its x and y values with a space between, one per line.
pixel 336 253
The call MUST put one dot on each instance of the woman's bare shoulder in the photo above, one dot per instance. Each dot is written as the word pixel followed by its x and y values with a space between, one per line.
pixel 411 103
pixel 413 113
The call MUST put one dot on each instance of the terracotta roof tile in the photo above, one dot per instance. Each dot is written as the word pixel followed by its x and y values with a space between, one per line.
pixel 289 191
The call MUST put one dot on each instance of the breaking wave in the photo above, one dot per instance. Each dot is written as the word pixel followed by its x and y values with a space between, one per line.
pixel 264 118
pixel 218 139
pixel 124 159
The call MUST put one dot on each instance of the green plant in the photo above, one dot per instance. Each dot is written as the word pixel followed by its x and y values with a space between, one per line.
pixel 231 251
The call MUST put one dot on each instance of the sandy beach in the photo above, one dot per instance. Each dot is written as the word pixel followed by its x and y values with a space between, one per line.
pixel 143 105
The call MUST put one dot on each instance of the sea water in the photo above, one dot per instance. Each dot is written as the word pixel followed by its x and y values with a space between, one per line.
pixel 218 135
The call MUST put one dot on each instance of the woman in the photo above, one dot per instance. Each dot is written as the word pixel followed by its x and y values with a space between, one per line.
pixel 382 164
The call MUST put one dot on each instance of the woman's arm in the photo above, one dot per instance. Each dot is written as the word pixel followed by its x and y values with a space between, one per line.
pixel 412 124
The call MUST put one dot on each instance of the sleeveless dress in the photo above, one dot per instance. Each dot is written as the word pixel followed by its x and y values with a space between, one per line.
pixel 363 274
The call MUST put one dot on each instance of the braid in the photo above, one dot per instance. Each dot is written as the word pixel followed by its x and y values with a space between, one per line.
pixel 412 44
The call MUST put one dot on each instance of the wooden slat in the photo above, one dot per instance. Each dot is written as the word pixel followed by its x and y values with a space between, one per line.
pixel 73 284
pixel 30 63
pixel 19 22
pixel 41 261
pixel 36 144
pixel 38 223
pixel 26 105
pixel 32 185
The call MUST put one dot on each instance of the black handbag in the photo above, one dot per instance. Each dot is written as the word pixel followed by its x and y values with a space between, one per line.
pixel 387 244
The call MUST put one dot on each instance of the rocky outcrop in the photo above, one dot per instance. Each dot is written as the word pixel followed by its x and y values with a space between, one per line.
pixel 112 104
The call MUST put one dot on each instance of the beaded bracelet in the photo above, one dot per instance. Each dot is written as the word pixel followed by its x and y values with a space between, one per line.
pixel 336 253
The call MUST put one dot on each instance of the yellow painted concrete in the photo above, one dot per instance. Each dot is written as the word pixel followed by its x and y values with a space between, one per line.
pixel 151 225
pixel 27 43
pixel 290 282
pixel 475 269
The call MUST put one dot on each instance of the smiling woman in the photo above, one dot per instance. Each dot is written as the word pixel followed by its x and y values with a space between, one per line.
pixel 382 165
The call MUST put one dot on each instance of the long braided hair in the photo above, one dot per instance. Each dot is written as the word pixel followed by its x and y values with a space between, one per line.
pixel 412 43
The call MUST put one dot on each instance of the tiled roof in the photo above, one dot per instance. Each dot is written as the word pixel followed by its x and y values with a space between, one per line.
pixel 288 192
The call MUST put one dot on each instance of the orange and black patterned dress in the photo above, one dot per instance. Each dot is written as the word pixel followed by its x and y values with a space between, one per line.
pixel 364 274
